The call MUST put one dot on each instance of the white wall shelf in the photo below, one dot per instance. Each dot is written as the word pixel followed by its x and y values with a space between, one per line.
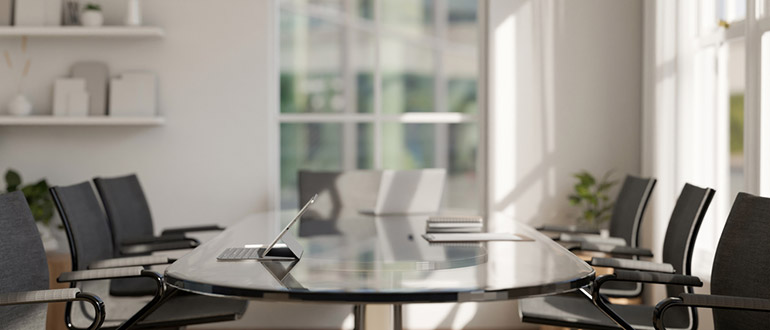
pixel 79 31
pixel 80 121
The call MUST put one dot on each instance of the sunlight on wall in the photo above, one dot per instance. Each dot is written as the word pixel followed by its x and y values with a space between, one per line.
pixel 504 79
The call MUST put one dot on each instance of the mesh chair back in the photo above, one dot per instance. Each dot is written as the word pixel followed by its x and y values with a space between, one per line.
pixel 629 208
pixel 23 265
pixel 742 261
pixel 679 242
pixel 340 194
pixel 126 207
pixel 85 223
pixel 682 230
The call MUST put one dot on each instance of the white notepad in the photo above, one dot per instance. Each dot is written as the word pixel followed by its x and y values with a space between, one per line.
pixel 474 237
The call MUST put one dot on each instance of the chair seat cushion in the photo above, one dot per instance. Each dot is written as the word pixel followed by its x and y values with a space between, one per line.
pixel 577 311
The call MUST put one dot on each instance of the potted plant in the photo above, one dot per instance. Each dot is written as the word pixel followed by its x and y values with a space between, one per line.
pixel 591 196
pixel 40 203
pixel 92 15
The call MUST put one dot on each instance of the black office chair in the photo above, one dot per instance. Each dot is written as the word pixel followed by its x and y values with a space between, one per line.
pixel 24 271
pixel 624 227
pixel 340 193
pixel 131 221
pixel 740 294
pixel 91 247
pixel 132 229
pixel 576 310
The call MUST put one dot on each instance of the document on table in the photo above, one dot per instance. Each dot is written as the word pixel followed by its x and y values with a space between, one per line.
pixel 474 237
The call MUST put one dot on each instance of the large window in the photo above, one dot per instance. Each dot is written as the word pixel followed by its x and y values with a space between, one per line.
pixel 722 129
pixel 368 84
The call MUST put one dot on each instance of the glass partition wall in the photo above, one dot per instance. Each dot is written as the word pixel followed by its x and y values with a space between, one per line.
pixel 368 84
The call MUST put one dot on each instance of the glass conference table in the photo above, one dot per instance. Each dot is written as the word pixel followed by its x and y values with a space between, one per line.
pixel 378 260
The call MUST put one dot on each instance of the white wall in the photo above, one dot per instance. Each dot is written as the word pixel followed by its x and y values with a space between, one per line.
pixel 570 99
pixel 576 105
pixel 566 94
pixel 212 85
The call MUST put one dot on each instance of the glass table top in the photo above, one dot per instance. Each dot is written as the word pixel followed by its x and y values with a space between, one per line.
pixel 378 259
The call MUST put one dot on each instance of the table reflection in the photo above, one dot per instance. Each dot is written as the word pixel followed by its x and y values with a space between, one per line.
pixel 381 243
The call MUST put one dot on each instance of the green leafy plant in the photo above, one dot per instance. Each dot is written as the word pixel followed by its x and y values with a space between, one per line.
pixel 93 6
pixel 37 195
pixel 592 197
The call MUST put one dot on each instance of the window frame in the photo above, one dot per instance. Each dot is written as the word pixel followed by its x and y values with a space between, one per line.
pixel 692 40
pixel 751 29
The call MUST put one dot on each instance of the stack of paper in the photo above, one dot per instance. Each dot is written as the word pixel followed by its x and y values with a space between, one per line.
pixel 478 237
pixel 454 224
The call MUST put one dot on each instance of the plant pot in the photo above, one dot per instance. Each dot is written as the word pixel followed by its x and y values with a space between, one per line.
pixel 19 106
pixel 92 18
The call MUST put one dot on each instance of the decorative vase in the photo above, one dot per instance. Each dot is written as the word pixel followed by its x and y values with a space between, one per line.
pixel 20 106
pixel 92 18
pixel 133 13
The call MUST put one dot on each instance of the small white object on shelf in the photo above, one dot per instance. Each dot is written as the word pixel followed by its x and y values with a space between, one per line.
pixel 29 12
pixel 79 121
pixel 77 105
pixel 97 75
pixel 53 12
pixel 20 106
pixel 133 13
pixel 92 18
pixel 62 90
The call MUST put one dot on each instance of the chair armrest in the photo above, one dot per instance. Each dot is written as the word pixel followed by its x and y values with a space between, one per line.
pixel 633 265
pixel 56 295
pixel 596 239
pixel 568 229
pixel 729 302
pixel 133 249
pixel 38 296
pixel 101 274
pixel 708 301
pixel 125 272
pixel 635 276
pixel 649 277
pixel 131 261
pixel 618 250
pixel 182 230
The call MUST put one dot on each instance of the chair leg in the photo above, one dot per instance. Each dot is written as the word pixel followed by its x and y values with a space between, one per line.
pixel 397 317
pixel 359 317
